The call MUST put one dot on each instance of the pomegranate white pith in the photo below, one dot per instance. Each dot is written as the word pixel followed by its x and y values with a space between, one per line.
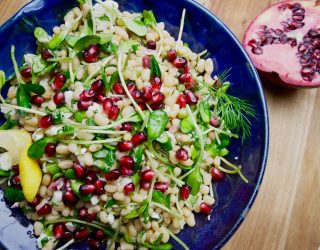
pixel 284 43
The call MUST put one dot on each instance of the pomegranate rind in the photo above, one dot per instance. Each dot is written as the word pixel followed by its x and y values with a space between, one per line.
pixel 279 63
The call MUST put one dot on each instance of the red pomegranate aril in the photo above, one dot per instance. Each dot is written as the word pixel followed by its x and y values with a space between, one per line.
pixel 91 54
pixel 112 175
pixel 46 121
pixel 46 54
pixel 87 189
pixel 58 98
pixel 59 81
pixel 124 146
pixel 87 95
pixel 107 104
pixel 79 170
pixel 35 201
pixel 37 100
pixel 126 162
pixel 139 138
pixel 146 62
pixel 137 96
pixel 215 122
pixel 217 174
pixel 84 105
pixel 146 185
pixel 142 106
pixel 182 101
pixel 100 98
pixel 157 106
pixel 152 45
pixel 129 188
pixel 81 234
pixel 15 180
pixel 205 208
pixel 161 186
pixel 126 172
pixel 147 175
pixel 94 244
pixel 147 94
pixel 131 87
pixel 99 234
pixel 172 55
pixel 113 112
pixel 156 83
pixel 44 210
pixel 180 62
pixel 99 185
pixel 98 86
pixel 118 89
pixel 186 69
pixel 69 198
pixel 83 212
pixel 67 235
pixel 50 149
pixel 91 177
pixel 191 85
pixel 191 98
pixel 91 217
pixel 59 230
pixel 185 78
pixel 158 98
pixel 127 126
pixel 185 191
pixel 182 154
pixel 26 72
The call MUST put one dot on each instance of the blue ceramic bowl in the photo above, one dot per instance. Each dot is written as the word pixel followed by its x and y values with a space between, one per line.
pixel 202 31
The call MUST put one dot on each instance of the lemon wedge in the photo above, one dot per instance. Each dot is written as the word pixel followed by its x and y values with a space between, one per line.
pixel 17 143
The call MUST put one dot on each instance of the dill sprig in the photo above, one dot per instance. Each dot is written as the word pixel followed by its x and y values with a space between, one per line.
pixel 224 75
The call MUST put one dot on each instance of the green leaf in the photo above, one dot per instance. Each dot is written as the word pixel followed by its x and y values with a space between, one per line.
pixel 129 239
pixel 101 165
pixel 204 110
pixel 137 212
pixel 41 35
pixel 194 152
pixel 38 64
pixel 149 18
pixel 164 246
pixel 79 116
pixel 136 26
pixel 106 38
pixel 157 123
pixel 136 179
pixel 4 173
pixel 129 45
pixel 2 79
pixel 155 68
pixel 70 174
pixel 81 1
pixel 75 186
pixel 13 194
pixel 165 141
pixel 72 40
pixel 56 40
pixel 34 88
pixel 104 18
pixel 194 180
pixel 23 98
pixel 186 125
pixel 9 124
pixel 57 117
pixel 114 78
pixel 53 168
pixel 85 42
pixel 109 48
pixel 137 154
pixel 37 149
pixel 159 197
pixel 110 203
pixel 47 69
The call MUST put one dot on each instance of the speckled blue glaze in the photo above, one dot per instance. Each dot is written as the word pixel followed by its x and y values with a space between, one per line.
pixel 202 30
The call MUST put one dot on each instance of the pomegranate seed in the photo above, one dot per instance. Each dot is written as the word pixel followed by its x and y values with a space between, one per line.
pixel 99 185
pixel 129 188
pixel 127 126
pixel 35 201
pixel 191 85
pixel 15 180
pixel 126 172
pixel 26 73
pixel 46 54
pixel 46 121
pixel 15 168
pixel 205 208
pixel 50 149
pixel 131 87
pixel 142 106
pixel 115 99
pixel 217 174
pixel 91 54
pixel 118 89
pixel 91 177
pixel 69 198
pixel 139 138
pixel 87 189
pixel 215 122
pixel 147 175
pixel 113 112
pixel 157 106
pixel 94 244
pixel 37 100
pixel 81 234
pixel 100 98
pixel 147 94
pixel 124 146
pixel 137 96
pixel 185 191
pixel 161 186
pixel 67 235
pixel 84 105
pixel 112 175
pixel 99 234
pixel 79 170
pixel 91 216
pixel 152 45
pixel 83 212
pixel 98 86
pixel 58 98
pixel 145 185
pixel 87 95
pixel 107 104
pixel 185 78
pixel 44 210
pixel 180 62
pixel 156 83
pixel 182 154
pixel 146 62
pixel 186 69
pixel 182 101
pixel 59 230
pixel 191 98
pixel 172 55
pixel 158 98
pixel 126 162
pixel 58 82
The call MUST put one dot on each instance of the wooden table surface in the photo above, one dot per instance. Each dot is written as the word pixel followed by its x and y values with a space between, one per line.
pixel 286 213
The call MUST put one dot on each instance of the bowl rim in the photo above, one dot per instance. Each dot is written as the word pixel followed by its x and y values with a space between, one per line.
pixel 246 209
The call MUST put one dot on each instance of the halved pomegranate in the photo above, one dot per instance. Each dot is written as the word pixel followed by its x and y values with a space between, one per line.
pixel 284 43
